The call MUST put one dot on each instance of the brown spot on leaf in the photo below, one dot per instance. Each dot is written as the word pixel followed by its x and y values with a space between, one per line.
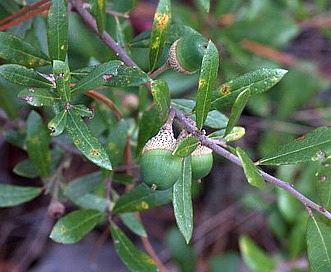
pixel 225 89
pixel 301 138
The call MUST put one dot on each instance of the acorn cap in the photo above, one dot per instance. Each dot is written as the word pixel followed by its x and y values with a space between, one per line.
pixel 164 140
pixel 201 150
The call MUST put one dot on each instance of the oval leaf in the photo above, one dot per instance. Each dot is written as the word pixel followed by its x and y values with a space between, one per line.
pixel 133 223
pixel 318 245
pixel 313 146
pixel 182 201
pixel 128 76
pixel 38 97
pixel 207 79
pixel 161 96
pixel 252 173
pixel 85 142
pixel 99 76
pixel 58 123
pixel 57 30
pixel 37 142
pixel 237 108
pixel 21 75
pixel 132 257
pixel 26 169
pixel 254 257
pixel 141 198
pixel 161 24
pixel 62 77
pixel 18 51
pixel 257 82
pixel 74 226
pixel 12 195
pixel 186 146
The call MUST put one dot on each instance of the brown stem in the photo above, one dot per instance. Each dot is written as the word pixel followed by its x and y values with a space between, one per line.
pixel 228 155
pixel 160 70
pixel 111 105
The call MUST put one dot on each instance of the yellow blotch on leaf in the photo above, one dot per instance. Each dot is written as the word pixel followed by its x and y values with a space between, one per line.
pixel 156 42
pixel 31 61
pixel 94 152
pixel 202 83
pixel 162 20
pixel 143 205
pixel 224 90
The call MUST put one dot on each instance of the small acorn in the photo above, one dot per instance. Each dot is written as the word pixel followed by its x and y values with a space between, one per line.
pixel 186 53
pixel 201 162
pixel 159 169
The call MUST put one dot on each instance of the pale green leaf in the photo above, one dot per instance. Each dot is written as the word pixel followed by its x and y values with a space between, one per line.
pixel 12 195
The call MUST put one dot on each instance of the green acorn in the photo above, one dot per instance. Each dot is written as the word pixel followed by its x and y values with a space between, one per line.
pixel 201 162
pixel 159 169
pixel 186 53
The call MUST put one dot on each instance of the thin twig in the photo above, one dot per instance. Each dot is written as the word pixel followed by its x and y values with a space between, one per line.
pixel 228 155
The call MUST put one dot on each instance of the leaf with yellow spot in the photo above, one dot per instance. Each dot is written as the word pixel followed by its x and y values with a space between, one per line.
pixel 207 79
pixel 142 198
pixel 74 226
pixel 132 257
pixel 161 24
pixel 186 146
pixel 99 12
pixel 161 96
pixel 84 141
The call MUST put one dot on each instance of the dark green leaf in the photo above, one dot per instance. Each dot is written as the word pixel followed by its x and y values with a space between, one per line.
pixel 18 51
pixel 254 257
pixel 207 79
pixel 99 12
pixel 38 97
pixel 318 245
pixel 12 195
pixel 37 142
pixel 26 169
pixel 57 30
pixel 58 123
pixel 257 82
pixel 323 183
pixel 161 95
pixel 252 173
pixel 133 223
pixel 99 76
pixel 85 142
pixel 62 76
pixel 186 146
pixel 91 202
pixel 214 119
pixel 162 21
pixel 141 198
pixel 74 226
pixel 237 108
pixel 182 201
pixel 82 185
pixel 24 76
pixel 134 259
pixel 311 147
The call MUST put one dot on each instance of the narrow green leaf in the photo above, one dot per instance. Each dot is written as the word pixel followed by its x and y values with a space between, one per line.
pixel 58 123
pixel 182 201
pixel 257 82
pixel 120 35
pixel 99 76
pixel 141 198
pixel 38 97
pixel 37 142
pixel 207 79
pixel 315 145
pixel 205 4
pixel 318 245
pixel 254 257
pixel 57 30
pixel 161 96
pixel 21 75
pixel 161 24
pixel 323 183
pixel 83 111
pixel 99 12
pixel 133 258
pixel 85 142
pixel 252 173
pixel 18 51
pixel 12 195
pixel 74 226
pixel 237 108
pixel 215 119
pixel 62 77
pixel 235 134
pixel 26 169
pixel 132 222
pixel 186 146
pixel 91 202
pixel 82 185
